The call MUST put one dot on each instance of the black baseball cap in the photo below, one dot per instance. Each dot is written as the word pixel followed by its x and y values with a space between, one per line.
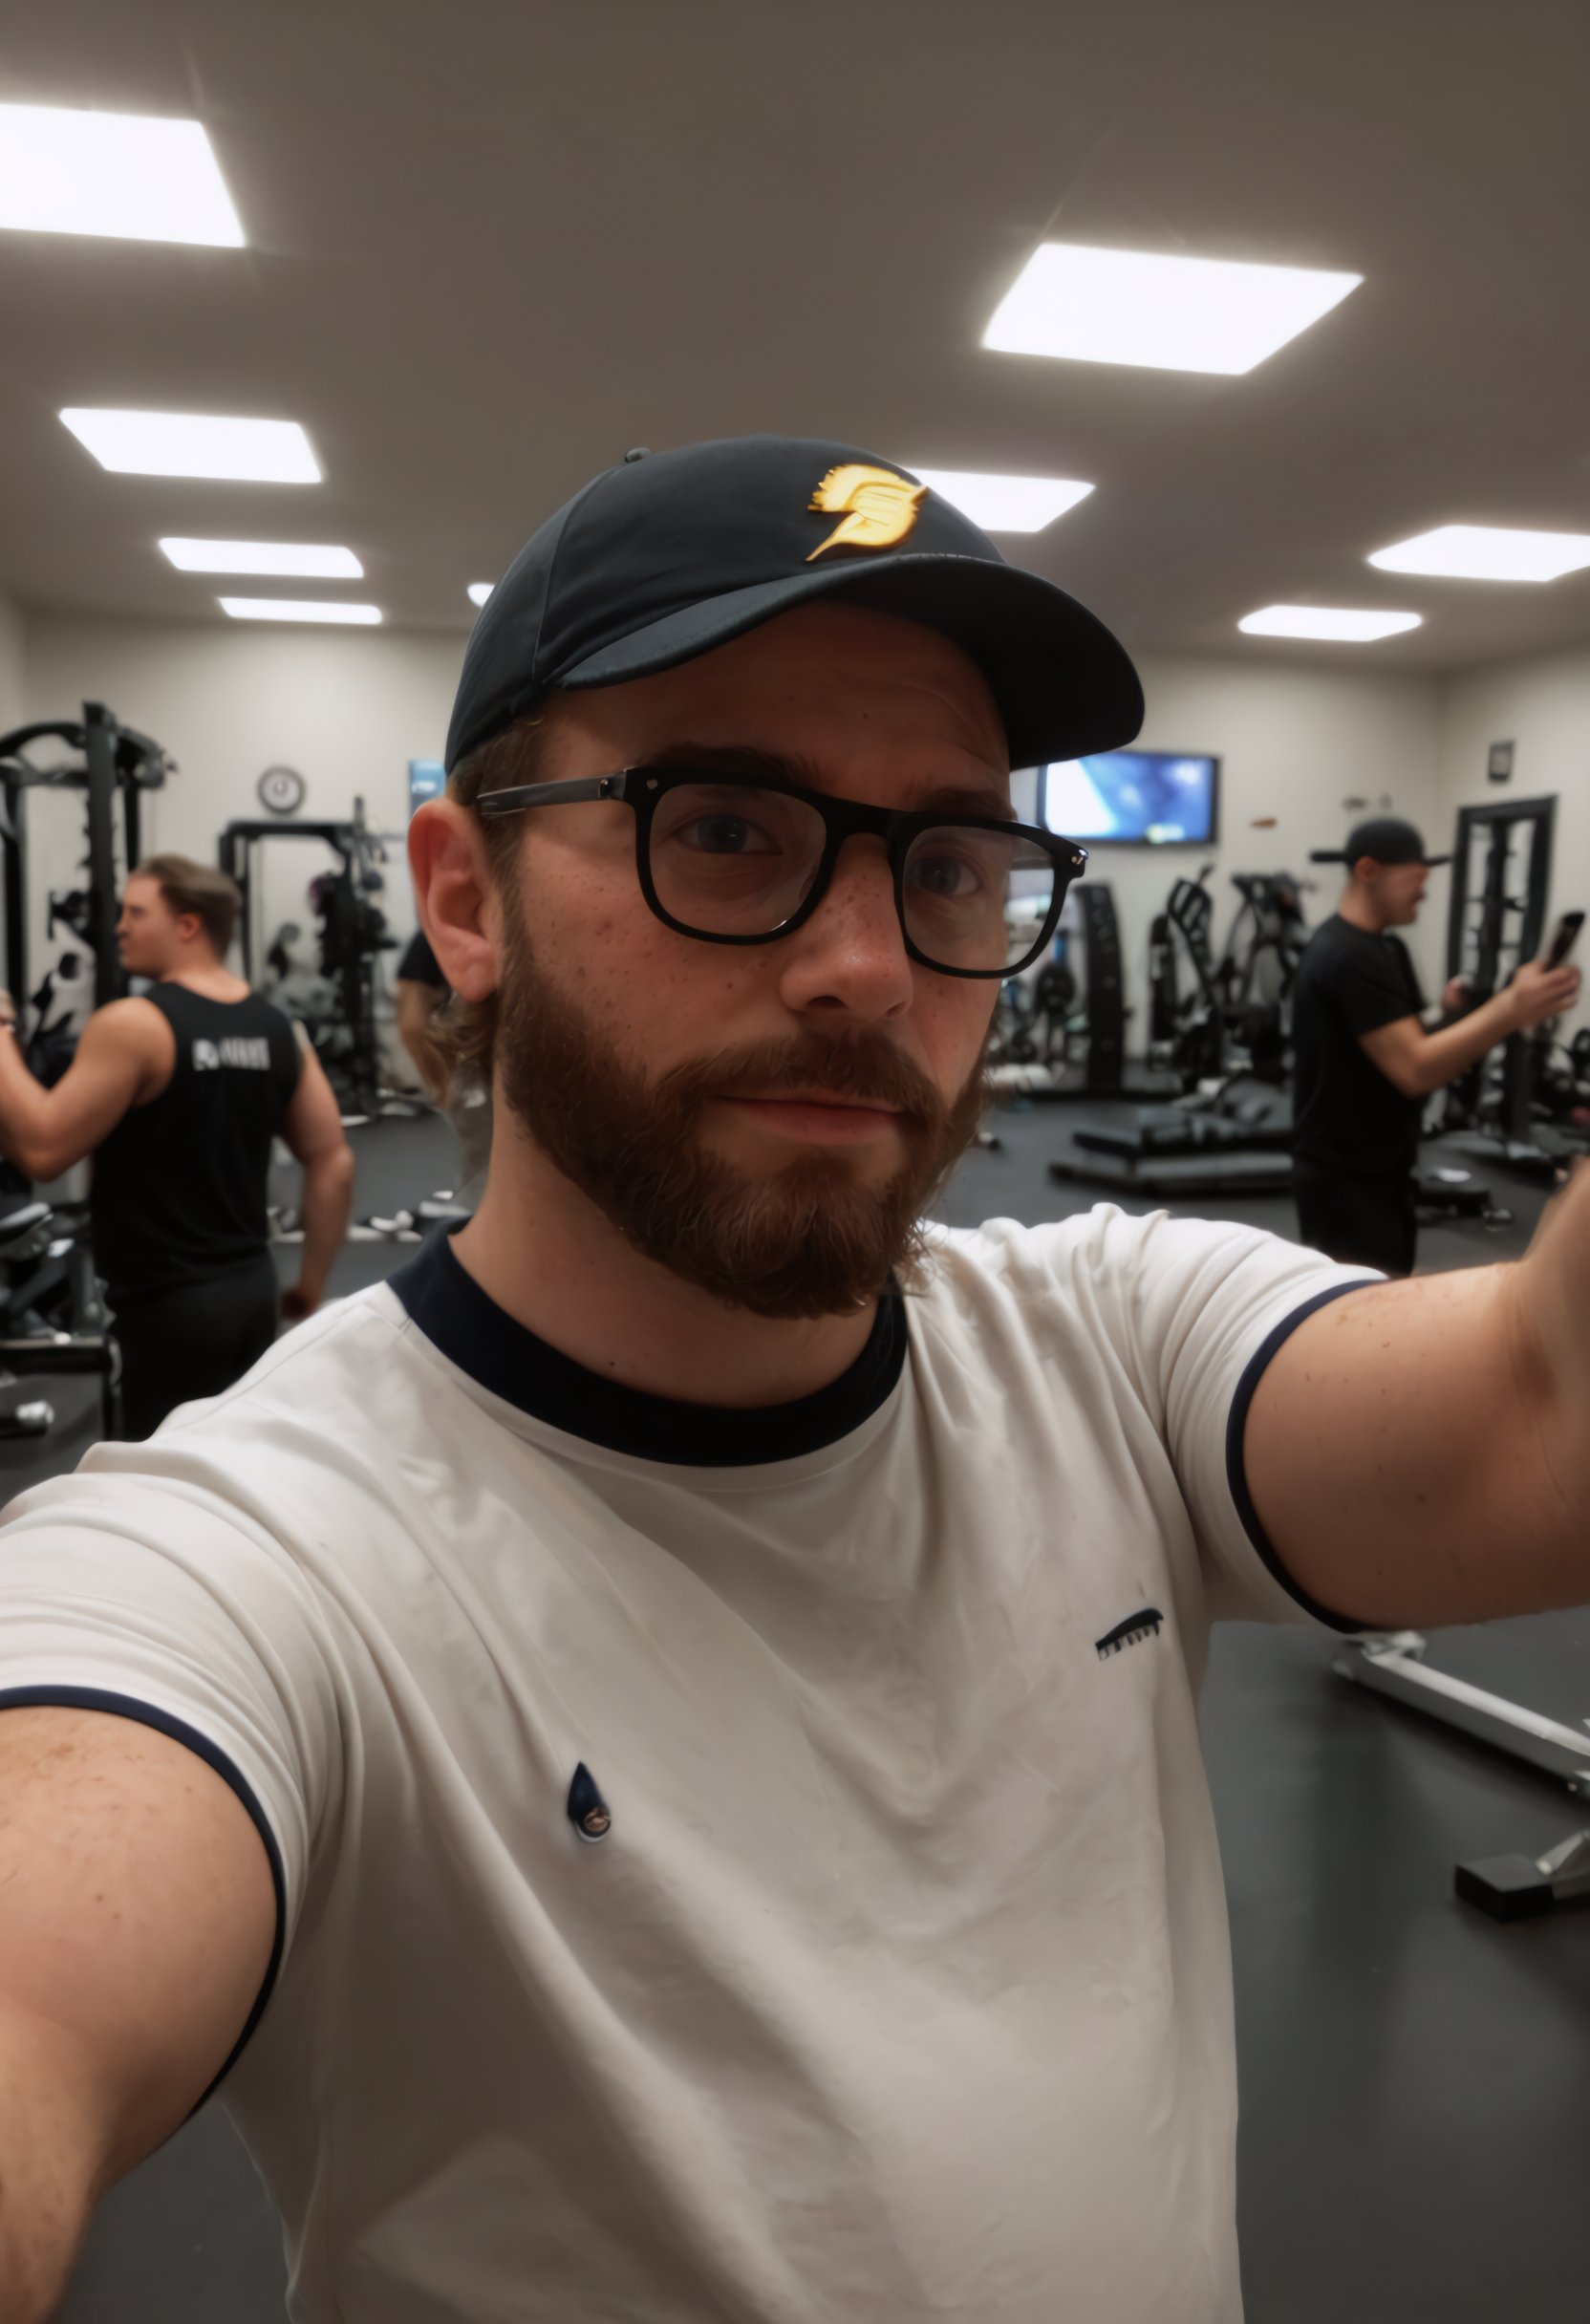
pixel 1386 839
pixel 670 553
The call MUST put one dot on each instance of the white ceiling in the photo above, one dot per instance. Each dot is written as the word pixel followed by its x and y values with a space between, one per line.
pixel 493 242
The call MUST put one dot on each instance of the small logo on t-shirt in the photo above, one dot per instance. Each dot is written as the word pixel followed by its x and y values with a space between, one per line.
pixel 1129 1633
pixel 587 1811
pixel 250 1053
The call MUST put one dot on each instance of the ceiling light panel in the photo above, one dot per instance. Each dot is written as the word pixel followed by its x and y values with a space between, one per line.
pixel 1135 306
pixel 1342 623
pixel 479 591
pixel 1006 503
pixel 196 443
pixel 300 609
pixel 115 173
pixel 1487 552
pixel 307 560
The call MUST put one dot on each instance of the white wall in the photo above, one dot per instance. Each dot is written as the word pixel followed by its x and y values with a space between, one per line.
pixel 13 683
pixel 347 708
pixel 1542 707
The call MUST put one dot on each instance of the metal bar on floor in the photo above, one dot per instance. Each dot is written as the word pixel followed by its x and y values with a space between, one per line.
pixel 1392 1665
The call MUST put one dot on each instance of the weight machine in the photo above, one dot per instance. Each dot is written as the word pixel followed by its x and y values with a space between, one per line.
pixel 1221 1022
pixel 1186 1032
pixel 1035 1020
pixel 1075 1004
pixel 353 935
pixel 1259 967
pixel 1200 1008
pixel 53 1318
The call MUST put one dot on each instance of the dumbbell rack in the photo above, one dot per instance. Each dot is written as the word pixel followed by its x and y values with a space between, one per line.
pixel 1507 1887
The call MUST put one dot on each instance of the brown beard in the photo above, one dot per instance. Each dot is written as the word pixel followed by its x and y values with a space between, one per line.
pixel 805 1241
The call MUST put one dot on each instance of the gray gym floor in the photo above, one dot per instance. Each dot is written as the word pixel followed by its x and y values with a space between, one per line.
pixel 1412 2074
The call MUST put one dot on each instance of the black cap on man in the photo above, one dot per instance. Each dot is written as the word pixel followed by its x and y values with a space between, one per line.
pixel 668 555
pixel 1385 839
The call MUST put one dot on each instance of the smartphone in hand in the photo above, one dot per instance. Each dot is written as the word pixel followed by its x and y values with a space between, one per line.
pixel 1565 936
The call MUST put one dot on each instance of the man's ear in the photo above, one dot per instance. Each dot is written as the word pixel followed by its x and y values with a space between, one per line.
pixel 456 895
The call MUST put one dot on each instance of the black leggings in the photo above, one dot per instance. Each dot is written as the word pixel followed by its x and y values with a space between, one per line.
pixel 193 1340
pixel 1357 1221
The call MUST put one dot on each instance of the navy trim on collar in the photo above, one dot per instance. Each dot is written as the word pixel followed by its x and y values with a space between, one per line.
pixel 473 1333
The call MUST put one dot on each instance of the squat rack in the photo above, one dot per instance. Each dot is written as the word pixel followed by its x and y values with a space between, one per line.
pixel 116 766
pixel 1480 944
pixel 1489 932
pixel 119 766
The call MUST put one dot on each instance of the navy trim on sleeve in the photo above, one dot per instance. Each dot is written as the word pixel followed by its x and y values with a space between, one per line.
pixel 148 1715
pixel 1236 1474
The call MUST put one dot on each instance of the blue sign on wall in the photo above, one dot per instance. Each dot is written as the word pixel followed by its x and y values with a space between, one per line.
pixel 426 781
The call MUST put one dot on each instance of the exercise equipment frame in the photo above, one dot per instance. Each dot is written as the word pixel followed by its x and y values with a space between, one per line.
pixel 118 765
pixel 1506 1887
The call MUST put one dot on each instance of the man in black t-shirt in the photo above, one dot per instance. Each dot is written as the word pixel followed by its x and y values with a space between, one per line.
pixel 1365 1061
pixel 178 1095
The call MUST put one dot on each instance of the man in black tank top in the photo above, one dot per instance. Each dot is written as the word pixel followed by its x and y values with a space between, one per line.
pixel 178 1096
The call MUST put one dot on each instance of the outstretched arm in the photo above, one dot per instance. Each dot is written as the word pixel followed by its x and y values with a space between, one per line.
pixel 126 1053
pixel 136 1917
pixel 1418 1452
pixel 1418 1063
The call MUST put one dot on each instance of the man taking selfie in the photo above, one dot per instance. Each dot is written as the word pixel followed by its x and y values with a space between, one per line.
pixel 654 1758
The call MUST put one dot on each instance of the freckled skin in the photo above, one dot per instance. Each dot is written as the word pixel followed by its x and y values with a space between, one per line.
pixel 897 710
pixel 880 710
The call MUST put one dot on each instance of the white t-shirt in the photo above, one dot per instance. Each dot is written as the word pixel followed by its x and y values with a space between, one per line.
pixel 899 1985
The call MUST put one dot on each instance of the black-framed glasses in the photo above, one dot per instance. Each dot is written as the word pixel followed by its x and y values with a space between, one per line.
pixel 744 859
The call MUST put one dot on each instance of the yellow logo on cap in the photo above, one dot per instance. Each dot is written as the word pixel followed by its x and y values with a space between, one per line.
pixel 878 507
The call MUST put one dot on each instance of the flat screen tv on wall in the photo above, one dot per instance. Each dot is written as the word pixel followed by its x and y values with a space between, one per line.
pixel 1133 798
pixel 426 781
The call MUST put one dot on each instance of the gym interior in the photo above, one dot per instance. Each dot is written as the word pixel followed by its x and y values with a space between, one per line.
pixel 475 255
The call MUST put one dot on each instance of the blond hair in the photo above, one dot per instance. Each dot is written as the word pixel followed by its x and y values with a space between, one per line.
pixel 212 896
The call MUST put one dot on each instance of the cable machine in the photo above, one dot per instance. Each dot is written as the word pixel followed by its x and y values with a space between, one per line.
pixel 353 935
